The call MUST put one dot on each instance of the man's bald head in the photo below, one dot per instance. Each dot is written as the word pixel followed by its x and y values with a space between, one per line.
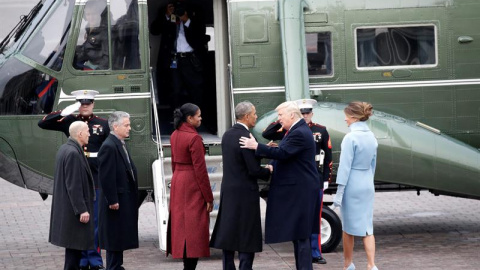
pixel 79 132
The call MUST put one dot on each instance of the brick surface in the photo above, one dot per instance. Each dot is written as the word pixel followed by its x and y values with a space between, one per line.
pixel 412 232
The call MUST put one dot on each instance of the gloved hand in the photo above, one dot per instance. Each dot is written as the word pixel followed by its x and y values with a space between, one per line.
pixel 325 186
pixel 336 203
pixel 70 109
pixel 337 200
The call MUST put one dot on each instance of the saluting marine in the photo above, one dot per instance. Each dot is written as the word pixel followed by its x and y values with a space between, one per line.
pixel 99 131
pixel 323 159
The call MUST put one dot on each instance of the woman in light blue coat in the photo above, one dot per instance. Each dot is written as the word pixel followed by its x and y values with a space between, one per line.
pixel 355 192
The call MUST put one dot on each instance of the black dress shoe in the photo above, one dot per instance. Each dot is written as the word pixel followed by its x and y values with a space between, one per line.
pixel 98 267
pixel 319 260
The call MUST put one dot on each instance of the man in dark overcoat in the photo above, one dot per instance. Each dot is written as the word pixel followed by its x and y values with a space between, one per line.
pixel 323 159
pixel 99 130
pixel 294 189
pixel 71 224
pixel 118 220
pixel 238 226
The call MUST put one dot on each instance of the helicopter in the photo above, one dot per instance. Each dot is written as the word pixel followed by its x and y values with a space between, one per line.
pixel 417 62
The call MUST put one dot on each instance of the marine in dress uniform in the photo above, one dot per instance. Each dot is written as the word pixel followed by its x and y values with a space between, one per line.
pixel 323 160
pixel 99 130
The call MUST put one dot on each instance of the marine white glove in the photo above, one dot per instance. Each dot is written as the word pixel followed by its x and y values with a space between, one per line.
pixel 70 109
pixel 325 185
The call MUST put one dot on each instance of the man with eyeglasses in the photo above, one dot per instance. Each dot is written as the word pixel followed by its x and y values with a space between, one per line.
pixel 323 159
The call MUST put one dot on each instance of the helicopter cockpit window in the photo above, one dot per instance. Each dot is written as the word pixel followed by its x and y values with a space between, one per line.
pixel 125 34
pixel 92 52
pixel 48 44
pixel 25 90
pixel 396 46
pixel 319 53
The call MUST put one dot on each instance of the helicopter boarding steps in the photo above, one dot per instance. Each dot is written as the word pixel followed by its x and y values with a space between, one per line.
pixel 162 176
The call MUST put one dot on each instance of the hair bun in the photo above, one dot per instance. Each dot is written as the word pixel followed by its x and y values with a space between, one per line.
pixel 177 113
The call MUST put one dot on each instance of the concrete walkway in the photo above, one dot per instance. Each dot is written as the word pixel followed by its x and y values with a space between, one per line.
pixel 412 232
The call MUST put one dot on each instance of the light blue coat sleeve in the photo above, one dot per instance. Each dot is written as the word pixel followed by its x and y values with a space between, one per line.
pixel 346 160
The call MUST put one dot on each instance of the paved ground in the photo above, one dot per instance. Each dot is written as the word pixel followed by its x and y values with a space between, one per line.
pixel 412 232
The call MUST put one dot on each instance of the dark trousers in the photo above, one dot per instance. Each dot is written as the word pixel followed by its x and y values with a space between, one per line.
pixel 316 239
pixel 187 82
pixel 303 257
pixel 246 260
pixel 188 263
pixel 72 259
pixel 114 260
pixel 93 257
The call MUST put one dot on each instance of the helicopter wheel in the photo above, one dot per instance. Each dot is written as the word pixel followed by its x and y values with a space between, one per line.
pixel 330 229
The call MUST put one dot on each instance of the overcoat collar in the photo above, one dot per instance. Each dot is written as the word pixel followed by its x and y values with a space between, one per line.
pixel 296 125
pixel 186 127
pixel 240 126
pixel 77 146
pixel 359 126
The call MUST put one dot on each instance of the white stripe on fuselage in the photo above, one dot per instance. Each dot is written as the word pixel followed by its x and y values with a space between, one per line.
pixel 363 86
pixel 65 97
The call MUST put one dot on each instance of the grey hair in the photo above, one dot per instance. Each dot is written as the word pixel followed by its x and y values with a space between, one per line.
pixel 243 108
pixel 75 128
pixel 290 107
pixel 116 118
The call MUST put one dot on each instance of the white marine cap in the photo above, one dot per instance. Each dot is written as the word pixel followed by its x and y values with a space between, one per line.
pixel 306 105
pixel 85 96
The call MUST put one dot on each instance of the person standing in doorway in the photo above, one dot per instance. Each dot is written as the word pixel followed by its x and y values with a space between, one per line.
pixel 182 51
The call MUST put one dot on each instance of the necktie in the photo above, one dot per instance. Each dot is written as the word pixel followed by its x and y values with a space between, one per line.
pixel 128 159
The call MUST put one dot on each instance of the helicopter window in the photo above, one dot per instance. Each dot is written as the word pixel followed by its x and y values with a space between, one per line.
pixel 24 90
pixel 125 34
pixel 396 46
pixel 48 44
pixel 319 53
pixel 92 52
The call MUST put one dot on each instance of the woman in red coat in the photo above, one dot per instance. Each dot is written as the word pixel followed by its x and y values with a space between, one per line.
pixel 191 197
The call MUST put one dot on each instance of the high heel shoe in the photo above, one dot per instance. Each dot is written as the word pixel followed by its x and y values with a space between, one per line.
pixel 374 268
pixel 351 267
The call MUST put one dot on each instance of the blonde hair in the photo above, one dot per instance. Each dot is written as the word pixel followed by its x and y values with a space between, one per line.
pixel 359 110
pixel 290 107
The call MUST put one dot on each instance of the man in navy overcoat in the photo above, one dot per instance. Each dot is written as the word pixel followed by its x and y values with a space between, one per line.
pixel 294 187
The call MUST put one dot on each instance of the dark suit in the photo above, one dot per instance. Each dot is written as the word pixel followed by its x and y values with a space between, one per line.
pixel 238 226
pixel 187 76
pixel 118 229
pixel 294 190
pixel 73 194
